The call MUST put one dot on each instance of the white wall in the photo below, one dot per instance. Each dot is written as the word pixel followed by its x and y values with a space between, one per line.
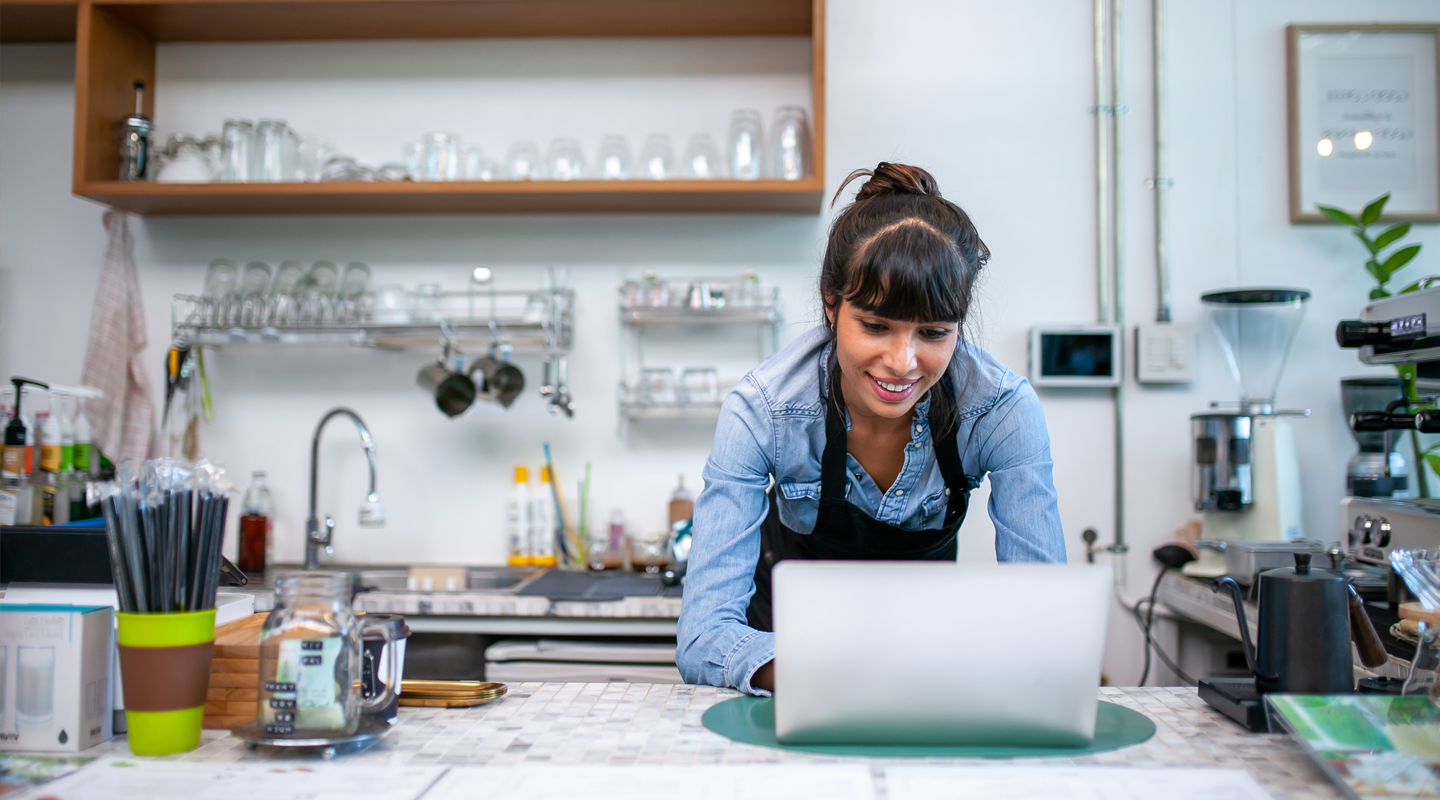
pixel 993 98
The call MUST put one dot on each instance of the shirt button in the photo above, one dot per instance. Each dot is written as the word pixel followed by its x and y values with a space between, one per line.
pixel 899 492
pixel 947 491
pixel 859 476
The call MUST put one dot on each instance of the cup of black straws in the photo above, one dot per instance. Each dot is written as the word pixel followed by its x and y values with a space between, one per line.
pixel 164 523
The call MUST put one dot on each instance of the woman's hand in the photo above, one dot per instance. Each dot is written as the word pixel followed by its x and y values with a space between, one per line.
pixel 764 678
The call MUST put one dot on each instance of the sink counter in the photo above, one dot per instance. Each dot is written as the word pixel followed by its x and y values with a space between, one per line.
pixel 504 612
pixel 640 725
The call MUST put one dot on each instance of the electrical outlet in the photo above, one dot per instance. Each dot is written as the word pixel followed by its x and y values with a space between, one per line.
pixel 1164 353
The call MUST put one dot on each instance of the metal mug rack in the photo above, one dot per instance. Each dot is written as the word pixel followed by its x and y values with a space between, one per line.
pixel 536 320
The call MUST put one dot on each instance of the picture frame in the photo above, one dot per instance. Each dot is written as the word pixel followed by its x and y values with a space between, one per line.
pixel 1363 113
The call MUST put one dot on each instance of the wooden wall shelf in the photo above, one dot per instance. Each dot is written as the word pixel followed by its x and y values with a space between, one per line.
pixel 542 197
pixel 116 41
pixel 37 21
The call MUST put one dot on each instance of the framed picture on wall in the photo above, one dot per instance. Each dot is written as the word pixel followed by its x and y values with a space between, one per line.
pixel 1364 119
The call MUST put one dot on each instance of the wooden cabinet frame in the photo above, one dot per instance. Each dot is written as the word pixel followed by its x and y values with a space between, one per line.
pixel 115 46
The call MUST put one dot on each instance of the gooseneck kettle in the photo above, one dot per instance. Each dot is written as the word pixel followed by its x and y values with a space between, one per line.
pixel 1308 617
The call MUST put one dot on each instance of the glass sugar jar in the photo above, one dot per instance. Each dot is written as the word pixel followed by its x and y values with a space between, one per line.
pixel 310 659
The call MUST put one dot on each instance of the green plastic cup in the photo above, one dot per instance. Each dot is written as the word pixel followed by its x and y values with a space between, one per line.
pixel 165 669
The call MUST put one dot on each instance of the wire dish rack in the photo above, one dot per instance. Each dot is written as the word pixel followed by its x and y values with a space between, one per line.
pixel 525 320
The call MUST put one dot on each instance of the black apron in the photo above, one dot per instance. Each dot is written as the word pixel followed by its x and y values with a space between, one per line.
pixel 844 532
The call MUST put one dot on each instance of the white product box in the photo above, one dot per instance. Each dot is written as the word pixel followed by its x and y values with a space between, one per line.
pixel 55 677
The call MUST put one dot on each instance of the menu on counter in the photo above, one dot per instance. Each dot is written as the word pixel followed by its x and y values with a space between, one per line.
pixel 659 782
pixel 117 778
pixel 1050 783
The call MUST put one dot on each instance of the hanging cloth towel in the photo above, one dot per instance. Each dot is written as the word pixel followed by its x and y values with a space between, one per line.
pixel 123 420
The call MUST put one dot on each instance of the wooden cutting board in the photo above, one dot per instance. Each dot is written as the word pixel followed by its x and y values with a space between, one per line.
pixel 1418 613
pixel 234 674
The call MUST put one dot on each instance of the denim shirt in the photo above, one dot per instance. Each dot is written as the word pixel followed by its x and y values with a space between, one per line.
pixel 773 426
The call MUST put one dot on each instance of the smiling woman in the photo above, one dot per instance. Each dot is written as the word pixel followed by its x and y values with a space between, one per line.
pixel 882 468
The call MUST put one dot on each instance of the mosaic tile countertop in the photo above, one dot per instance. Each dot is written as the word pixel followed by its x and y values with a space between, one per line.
pixel 636 724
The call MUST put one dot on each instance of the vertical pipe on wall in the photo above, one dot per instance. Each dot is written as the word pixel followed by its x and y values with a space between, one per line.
pixel 1161 182
pixel 1102 169
pixel 1118 109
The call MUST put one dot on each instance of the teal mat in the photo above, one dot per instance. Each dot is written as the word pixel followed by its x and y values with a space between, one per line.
pixel 752 720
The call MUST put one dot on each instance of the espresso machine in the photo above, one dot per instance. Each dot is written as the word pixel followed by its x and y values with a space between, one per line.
pixel 1245 472
pixel 1399 330
pixel 1376 469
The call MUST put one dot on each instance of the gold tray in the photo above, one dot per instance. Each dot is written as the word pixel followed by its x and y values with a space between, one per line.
pixel 446 690
pixel 446 702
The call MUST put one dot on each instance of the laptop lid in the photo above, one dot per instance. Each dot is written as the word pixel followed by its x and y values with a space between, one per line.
pixel 938 653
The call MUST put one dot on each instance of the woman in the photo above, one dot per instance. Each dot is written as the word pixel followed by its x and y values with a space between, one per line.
pixel 874 428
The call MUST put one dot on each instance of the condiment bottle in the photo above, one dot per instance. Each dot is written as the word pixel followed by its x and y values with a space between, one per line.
pixel 51 455
pixel 682 505
pixel 517 520
pixel 13 460
pixel 257 512
pixel 542 523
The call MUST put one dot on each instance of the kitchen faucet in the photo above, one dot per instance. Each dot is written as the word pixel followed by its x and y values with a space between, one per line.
pixel 372 514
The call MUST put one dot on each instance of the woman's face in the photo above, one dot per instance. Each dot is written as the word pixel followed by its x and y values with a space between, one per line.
pixel 887 365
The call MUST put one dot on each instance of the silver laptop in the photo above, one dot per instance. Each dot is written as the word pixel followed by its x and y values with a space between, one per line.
pixel 883 652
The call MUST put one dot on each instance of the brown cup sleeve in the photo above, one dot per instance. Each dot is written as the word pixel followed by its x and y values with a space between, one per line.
pixel 165 678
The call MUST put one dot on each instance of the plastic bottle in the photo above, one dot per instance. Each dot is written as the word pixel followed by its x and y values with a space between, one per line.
pixel 542 523
pixel 84 462
pixel 64 405
pixel 682 505
pixel 257 513
pixel 48 427
pixel 517 520
pixel 615 553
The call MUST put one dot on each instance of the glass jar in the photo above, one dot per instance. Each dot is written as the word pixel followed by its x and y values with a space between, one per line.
pixel 310 659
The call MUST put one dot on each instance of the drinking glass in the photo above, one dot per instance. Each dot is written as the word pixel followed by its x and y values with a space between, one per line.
pixel 791 143
pixel 702 158
pixel 236 141
pixel 612 160
pixel 352 289
pixel 34 684
pixel 186 159
pixel 311 156
pixel 317 292
pixel 649 554
pixel 566 161
pixel 221 280
pixel 392 305
pixel 427 301
pixel 442 156
pixel 484 169
pixel 700 385
pixel 283 303
pixel 657 385
pixel 274 156
pixel 469 162
pixel 253 284
pixel 657 158
pixel 415 161
pixel 747 144
pixel 522 163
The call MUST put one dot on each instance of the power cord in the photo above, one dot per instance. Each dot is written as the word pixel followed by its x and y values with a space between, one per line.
pixel 1146 621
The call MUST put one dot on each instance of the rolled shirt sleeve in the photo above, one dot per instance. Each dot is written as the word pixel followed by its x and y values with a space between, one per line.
pixel 715 645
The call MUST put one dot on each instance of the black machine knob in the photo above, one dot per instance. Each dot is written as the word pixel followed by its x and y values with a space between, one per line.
pixel 1229 499
pixel 1354 333
pixel 1427 421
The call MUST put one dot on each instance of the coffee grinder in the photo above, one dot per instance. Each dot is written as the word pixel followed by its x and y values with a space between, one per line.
pixel 1245 472
pixel 1366 475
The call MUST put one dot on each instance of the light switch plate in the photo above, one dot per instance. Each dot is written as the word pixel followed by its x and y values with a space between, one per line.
pixel 1164 353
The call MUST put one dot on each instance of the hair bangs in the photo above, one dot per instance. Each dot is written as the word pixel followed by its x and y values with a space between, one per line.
pixel 909 271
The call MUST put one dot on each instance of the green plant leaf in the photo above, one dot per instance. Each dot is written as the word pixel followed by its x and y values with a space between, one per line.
pixel 1365 240
pixel 1434 462
pixel 1388 236
pixel 1339 216
pixel 1414 287
pixel 1373 267
pixel 1399 258
pixel 1377 293
pixel 1373 211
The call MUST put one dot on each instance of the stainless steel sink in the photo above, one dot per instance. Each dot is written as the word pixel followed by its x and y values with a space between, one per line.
pixel 500 580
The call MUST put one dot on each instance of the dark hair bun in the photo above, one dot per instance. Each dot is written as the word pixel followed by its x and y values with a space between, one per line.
pixel 892 179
